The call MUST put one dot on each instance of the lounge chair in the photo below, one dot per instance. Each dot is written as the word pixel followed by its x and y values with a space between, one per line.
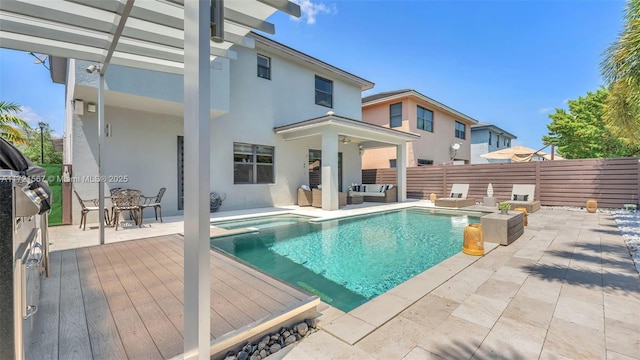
pixel 457 198
pixel 522 196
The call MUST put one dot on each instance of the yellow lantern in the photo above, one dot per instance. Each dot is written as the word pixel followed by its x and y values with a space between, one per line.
pixel 473 240
pixel 433 197
pixel 592 206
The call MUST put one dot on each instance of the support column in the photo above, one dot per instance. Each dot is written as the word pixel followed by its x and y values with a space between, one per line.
pixel 401 172
pixel 197 175
pixel 101 140
pixel 330 170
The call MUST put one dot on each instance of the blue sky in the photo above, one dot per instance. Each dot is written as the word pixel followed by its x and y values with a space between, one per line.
pixel 510 63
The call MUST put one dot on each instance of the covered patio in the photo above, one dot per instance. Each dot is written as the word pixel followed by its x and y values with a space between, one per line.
pixel 333 129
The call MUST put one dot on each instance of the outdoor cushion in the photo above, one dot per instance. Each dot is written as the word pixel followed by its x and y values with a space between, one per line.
pixel 520 197
pixel 456 195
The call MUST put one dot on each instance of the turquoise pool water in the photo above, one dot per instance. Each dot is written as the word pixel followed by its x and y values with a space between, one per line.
pixel 347 262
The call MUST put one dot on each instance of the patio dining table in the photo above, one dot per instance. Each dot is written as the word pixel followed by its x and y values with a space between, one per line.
pixel 125 200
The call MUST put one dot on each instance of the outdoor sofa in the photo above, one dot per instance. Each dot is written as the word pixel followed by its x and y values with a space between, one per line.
pixel 375 192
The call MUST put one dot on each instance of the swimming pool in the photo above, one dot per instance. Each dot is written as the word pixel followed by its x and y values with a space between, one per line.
pixel 261 222
pixel 347 262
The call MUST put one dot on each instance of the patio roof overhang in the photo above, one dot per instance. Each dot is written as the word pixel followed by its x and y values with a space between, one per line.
pixel 365 134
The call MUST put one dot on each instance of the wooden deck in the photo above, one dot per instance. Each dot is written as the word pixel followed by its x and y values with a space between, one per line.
pixel 125 300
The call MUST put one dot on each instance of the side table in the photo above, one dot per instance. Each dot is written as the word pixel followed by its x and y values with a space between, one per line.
pixel 355 199
pixel 503 229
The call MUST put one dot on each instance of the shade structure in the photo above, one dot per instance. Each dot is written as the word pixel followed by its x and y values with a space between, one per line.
pixel 145 34
pixel 159 35
pixel 517 153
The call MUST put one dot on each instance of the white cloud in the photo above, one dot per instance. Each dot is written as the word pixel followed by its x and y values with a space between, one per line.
pixel 30 116
pixel 310 10
pixel 544 110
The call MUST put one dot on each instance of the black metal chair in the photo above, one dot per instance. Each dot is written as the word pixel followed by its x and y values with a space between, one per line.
pixel 87 206
pixel 152 201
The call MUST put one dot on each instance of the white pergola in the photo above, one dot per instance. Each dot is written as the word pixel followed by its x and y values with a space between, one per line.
pixel 172 36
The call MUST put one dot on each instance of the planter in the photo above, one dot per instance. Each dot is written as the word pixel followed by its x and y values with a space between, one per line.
pixel 504 212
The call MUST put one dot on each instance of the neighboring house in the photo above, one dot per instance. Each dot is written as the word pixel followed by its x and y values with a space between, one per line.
pixel 279 119
pixel 444 132
pixel 486 138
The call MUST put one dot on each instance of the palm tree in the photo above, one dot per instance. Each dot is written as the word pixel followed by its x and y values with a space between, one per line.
pixel 8 122
pixel 621 71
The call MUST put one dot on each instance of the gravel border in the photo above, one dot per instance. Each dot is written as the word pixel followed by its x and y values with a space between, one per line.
pixel 629 225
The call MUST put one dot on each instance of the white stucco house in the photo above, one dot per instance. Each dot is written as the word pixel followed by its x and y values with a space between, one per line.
pixel 274 110
pixel 486 138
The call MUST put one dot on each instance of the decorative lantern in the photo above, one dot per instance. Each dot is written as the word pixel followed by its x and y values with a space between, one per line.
pixel 490 190
pixel 592 206
pixel 473 240
pixel 433 197
pixel 524 210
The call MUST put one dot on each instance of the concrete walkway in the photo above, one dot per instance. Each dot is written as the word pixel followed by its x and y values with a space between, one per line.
pixel 566 289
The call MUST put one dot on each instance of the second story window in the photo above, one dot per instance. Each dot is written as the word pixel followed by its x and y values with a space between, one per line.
pixel 460 130
pixel 425 119
pixel 324 92
pixel 264 67
pixel 395 115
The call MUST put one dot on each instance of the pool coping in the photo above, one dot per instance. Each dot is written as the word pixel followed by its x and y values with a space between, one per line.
pixel 354 325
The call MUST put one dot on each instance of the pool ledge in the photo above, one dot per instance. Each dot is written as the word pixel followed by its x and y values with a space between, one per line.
pixel 351 327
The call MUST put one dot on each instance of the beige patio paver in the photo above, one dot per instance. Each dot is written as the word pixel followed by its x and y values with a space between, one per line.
pixel 419 353
pixel 573 341
pixel 567 289
pixel 480 310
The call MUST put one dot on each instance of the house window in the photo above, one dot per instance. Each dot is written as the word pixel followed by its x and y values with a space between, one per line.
pixel 395 115
pixel 252 164
pixel 509 143
pixel 498 141
pixel 392 163
pixel 425 119
pixel 324 92
pixel 264 67
pixel 460 130
pixel 489 137
pixel 424 162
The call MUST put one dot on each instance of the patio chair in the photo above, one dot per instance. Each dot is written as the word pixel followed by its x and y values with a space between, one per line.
pixel 93 206
pixel 522 195
pixel 152 201
pixel 126 200
pixel 457 198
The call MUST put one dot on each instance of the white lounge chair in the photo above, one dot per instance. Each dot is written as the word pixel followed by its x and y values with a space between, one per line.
pixel 457 198
pixel 522 196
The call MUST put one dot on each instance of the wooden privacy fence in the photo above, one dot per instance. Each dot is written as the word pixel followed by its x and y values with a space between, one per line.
pixel 612 182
